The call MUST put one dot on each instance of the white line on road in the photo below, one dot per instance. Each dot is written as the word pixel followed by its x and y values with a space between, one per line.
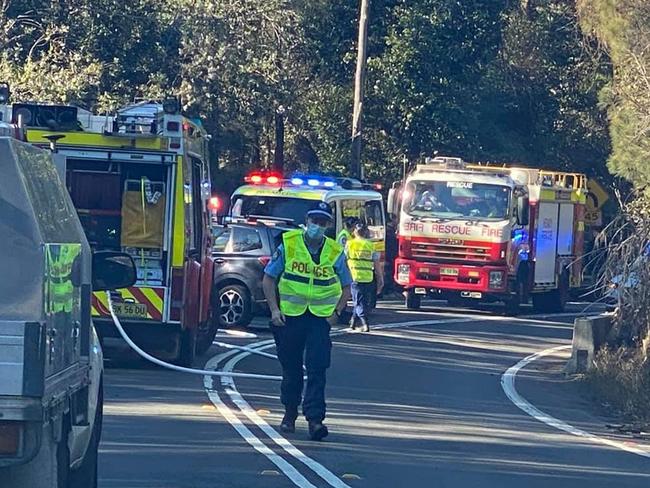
pixel 252 415
pixel 508 385
pixel 247 410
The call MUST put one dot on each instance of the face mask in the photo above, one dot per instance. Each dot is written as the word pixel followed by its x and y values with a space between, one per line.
pixel 315 231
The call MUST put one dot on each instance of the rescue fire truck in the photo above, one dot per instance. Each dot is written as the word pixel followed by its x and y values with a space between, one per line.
pixel 474 232
pixel 270 195
pixel 140 182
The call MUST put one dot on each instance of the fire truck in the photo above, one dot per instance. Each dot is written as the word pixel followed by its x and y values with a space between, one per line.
pixel 271 195
pixel 471 232
pixel 140 183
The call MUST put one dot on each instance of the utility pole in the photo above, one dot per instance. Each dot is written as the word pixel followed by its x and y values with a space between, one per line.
pixel 278 155
pixel 359 84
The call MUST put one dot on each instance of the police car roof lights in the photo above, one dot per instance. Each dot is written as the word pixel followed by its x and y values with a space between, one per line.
pixel 264 178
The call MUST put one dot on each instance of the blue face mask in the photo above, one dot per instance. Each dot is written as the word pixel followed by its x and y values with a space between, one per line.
pixel 315 231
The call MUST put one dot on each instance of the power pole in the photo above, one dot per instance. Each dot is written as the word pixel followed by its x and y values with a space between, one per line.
pixel 278 155
pixel 359 84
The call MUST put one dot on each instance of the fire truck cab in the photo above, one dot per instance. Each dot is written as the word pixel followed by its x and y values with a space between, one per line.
pixel 474 232
pixel 140 183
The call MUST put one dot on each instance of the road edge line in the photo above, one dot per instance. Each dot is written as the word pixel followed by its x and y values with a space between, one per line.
pixel 508 380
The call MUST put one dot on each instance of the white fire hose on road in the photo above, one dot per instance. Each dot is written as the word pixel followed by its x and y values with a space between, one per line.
pixel 181 369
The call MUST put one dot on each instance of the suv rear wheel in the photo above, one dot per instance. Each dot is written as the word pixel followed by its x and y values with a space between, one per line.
pixel 233 307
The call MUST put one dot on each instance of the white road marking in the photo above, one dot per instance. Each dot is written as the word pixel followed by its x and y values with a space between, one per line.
pixel 249 412
pixel 252 415
pixel 291 472
pixel 236 333
pixel 508 385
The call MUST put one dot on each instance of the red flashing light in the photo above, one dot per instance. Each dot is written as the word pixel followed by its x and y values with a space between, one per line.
pixel 214 204
pixel 378 186
pixel 263 177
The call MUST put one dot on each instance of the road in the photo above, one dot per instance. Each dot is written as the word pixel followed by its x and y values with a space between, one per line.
pixel 416 403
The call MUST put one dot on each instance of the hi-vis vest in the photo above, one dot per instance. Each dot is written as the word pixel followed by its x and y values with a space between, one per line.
pixel 360 253
pixel 304 284
pixel 343 237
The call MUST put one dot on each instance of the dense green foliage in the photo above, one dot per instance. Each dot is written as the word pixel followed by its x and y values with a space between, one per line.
pixel 623 26
pixel 488 80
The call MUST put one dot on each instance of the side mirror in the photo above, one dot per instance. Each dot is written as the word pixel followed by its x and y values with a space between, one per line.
pixel 392 203
pixel 113 270
pixel 522 210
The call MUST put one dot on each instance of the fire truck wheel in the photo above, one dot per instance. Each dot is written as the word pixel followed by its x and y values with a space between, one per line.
pixel 413 301
pixel 187 348
pixel 205 337
pixel 233 306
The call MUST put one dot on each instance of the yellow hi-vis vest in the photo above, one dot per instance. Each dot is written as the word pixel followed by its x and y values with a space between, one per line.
pixel 304 284
pixel 343 237
pixel 359 252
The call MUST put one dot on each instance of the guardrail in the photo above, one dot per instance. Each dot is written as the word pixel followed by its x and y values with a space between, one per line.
pixel 589 336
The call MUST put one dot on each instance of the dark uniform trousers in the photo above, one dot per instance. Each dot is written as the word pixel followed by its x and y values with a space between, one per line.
pixel 361 299
pixel 304 340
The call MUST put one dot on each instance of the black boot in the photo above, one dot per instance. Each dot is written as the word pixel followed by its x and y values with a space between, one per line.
pixel 317 431
pixel 288 424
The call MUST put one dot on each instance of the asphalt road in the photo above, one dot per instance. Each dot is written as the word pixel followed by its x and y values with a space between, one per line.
pixel 416 403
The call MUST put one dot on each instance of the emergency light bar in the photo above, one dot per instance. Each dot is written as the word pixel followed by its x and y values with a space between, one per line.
pixel 263 178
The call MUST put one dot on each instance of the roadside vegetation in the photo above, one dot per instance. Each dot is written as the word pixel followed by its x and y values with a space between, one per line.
pixel 622 374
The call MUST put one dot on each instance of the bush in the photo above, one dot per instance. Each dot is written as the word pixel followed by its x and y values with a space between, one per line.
pixel 622 379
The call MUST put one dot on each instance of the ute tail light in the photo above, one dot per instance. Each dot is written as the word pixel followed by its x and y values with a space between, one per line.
pixel 11 433
pixel 264 260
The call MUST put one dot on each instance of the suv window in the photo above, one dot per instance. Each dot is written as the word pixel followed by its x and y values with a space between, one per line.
pixel 221 239
pixel 246 239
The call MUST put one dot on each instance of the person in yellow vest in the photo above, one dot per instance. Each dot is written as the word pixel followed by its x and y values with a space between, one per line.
pixel 346 232
pixel 363 262
pixel 307 285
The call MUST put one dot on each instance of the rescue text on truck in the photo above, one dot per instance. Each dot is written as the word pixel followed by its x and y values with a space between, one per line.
pixel 472 232
pixel 140 183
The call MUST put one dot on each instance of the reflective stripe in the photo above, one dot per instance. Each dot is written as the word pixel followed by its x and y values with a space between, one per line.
pixel 296 278
pixel 329 282
pixel 298 300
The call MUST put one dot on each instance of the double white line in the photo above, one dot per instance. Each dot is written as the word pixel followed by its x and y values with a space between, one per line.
pixel 244 408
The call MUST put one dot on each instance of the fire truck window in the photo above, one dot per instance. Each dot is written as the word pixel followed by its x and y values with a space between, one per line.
pixel 246 240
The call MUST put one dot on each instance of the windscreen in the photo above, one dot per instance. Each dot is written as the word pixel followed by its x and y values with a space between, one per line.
pixel 279 207
pixel 457 200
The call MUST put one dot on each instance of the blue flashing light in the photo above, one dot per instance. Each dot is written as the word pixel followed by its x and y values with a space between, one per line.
pixel 313 182
pixel 329 184
pixel 297 181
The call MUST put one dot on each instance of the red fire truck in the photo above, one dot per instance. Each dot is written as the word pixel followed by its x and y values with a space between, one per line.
pixel 474 232
pixel 140 182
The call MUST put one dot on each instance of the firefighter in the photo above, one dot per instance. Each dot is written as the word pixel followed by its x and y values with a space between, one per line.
pixel 363 262
pixel 307 285
pixel 346 232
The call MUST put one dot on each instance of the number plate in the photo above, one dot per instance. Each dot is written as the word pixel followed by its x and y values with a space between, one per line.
pixel 449 271
pixel 130 310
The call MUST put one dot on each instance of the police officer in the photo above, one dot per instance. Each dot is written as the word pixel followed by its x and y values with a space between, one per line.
pixel 307 285
pixel 364 264
pixel 346 232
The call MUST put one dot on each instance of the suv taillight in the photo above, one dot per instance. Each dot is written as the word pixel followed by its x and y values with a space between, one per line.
pixel 264 260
